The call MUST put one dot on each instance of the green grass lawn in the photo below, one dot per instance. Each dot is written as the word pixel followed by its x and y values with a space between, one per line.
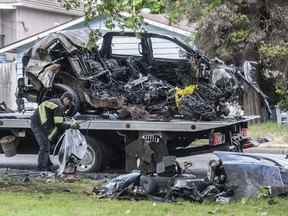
pixel 30 204
pixel 277 133
pixel 268 129
pixel 48 199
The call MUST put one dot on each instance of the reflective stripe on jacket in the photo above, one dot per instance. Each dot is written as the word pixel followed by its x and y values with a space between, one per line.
pixel 51 116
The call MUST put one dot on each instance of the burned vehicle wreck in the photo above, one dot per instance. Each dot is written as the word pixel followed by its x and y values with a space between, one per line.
pixel 138 97
pixel 232 176
pixel 131 76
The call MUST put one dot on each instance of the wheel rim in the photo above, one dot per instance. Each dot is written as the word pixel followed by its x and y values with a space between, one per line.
pixel 88 161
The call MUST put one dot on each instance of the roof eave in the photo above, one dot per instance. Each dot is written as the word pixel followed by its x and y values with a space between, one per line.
pixel 12 47
pixel 9 6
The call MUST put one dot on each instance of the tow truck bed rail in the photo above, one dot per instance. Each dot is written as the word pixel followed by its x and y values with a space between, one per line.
pixel 22 121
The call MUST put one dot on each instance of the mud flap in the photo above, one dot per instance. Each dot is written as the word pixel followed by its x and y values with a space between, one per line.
pixel 145 152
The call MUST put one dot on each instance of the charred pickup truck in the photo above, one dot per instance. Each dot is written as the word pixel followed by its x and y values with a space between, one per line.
pixel 139 96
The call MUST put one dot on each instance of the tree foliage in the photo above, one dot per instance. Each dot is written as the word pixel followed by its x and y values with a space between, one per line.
pixel 113 10
pixel 124 13
pixel 240 30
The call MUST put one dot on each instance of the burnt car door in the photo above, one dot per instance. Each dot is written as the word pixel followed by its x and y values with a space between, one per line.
pixel 170 60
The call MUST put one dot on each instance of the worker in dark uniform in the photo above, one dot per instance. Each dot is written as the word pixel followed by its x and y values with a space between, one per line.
pixel 47 123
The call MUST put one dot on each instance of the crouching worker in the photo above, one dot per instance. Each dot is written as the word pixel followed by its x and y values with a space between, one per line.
pixel 47 123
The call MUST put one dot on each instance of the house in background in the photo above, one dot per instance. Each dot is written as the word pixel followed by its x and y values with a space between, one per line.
pixel 22 18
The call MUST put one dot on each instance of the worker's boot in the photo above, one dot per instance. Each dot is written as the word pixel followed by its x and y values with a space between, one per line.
pixel 43 161
pixel 52 167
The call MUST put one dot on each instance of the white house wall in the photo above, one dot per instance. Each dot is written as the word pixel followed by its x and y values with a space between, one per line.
pixel 50 5
pixel 31 21
pixel 8 84
pixel 1 21
pixel 8 26
pixel 163 31
pixel 19 65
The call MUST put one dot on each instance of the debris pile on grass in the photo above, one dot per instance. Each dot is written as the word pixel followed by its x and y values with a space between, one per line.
pixel 232 177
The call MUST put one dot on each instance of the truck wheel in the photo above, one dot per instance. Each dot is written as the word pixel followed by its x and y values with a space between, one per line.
pixel 93 160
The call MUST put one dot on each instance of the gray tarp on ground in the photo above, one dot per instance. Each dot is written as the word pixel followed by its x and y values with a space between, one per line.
pixel 118 184
pixel 247 173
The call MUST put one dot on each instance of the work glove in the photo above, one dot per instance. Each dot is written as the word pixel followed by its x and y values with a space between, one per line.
pixel 75 125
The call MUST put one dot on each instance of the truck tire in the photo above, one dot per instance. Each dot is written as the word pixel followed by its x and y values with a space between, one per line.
pixel 93 160
pixel 57 90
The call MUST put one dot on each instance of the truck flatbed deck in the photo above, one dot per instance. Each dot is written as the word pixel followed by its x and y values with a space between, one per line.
pixel 22 120
pixel 127 140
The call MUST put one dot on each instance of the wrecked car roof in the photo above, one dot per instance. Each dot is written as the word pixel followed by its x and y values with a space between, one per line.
pixel 252 158
pixel 248 173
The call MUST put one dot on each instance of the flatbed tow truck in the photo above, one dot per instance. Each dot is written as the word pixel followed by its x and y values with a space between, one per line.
pixel 128 63
pixel 124 143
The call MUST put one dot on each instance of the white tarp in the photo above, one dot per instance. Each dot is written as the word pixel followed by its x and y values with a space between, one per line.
pixel 72 144
pixel 8 84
